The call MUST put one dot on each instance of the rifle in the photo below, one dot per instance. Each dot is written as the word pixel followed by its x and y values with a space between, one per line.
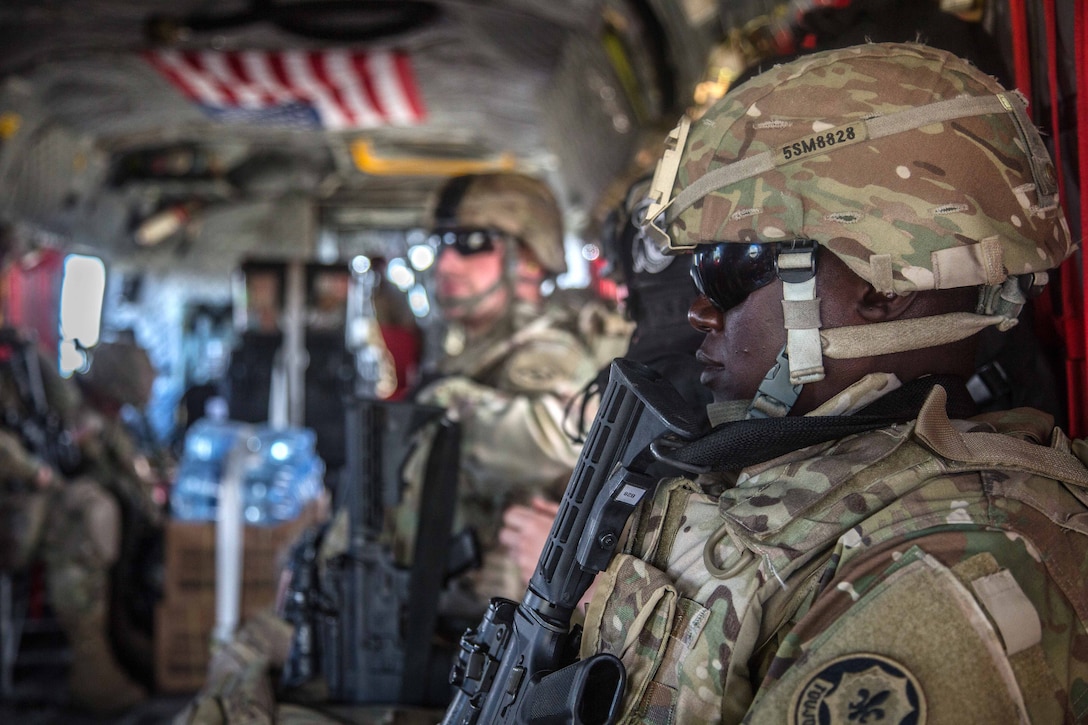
pixel 300 609
pixel 366 624
pixel 518 665
pixel 39 427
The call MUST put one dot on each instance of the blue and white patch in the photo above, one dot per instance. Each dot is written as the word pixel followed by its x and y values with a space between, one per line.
pixel 859 689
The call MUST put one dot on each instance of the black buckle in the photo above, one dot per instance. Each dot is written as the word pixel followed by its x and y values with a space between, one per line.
pixel 789 273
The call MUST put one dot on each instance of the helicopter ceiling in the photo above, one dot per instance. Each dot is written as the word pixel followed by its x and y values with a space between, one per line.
pixel 107 125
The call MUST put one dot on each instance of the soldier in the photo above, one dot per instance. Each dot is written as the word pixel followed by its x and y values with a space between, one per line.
pixel 73 525
pixel 512 360
pixel 856 216
pixel 121 374
pixel 658 289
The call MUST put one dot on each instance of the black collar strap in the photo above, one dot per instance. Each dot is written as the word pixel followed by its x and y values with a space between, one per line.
pixel 739 444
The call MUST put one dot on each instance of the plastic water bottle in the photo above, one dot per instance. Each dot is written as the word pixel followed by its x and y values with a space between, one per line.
pixel 195 493
pixel 282 476
pixel 288 476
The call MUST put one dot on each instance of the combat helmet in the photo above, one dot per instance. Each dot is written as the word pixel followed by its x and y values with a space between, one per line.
pixel 121 371
pixel 909 164
pixel 516 204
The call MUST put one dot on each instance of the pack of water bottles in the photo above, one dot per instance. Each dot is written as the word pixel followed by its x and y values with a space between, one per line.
pixel 281 472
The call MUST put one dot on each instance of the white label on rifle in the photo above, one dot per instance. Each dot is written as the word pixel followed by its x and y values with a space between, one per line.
pixel 630 495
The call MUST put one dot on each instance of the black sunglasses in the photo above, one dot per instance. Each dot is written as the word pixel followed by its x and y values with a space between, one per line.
pixel 467 242
pixel 728 272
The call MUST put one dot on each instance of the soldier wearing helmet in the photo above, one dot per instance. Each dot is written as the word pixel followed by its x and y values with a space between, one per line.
pixel 121 375
pixel 512 359
pixel 55 511
pixel 855 217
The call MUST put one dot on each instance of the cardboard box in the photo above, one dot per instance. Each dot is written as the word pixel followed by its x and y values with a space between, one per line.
pixel 182 646
pixel 185 617
pixel 190 559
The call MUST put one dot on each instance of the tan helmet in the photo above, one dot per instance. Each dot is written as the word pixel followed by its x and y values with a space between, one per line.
pixel 912 166
pixel 121 370
pixel 519 205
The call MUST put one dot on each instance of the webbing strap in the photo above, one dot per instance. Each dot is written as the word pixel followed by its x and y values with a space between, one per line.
pixel 1021 52
pixel 882 338
pixel 803 342
pixel 993 449
pixel 1078 380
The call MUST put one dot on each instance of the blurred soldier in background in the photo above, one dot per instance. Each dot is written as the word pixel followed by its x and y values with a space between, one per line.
pixel 512 359
pixel 120 375
pixel 511 363
pixel 70 522
pixel 658 290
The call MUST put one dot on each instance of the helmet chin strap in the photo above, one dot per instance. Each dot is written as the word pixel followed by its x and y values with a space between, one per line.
pixel 801 360
pixel 470 303
pixel 776 394
pixel 999 305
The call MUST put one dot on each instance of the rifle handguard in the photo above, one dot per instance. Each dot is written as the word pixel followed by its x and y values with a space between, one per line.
pixel 516 666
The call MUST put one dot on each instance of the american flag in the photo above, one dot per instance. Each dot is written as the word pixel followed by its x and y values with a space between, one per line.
pixel 332 89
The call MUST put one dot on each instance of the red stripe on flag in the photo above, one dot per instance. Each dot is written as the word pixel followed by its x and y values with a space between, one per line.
pixel 201 72
pixel 408 84
pixel 341 70
pixel 321 73
pixel 347 89
pixel 238 68
pixel 362 72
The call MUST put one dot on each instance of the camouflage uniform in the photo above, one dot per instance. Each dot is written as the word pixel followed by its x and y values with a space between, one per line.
pixel 861 564
pixel 926 571
pixel 508 391
pixel 508 386
pixel 75 526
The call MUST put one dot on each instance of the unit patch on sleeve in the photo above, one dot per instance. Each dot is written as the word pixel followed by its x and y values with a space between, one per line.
pixel 859 689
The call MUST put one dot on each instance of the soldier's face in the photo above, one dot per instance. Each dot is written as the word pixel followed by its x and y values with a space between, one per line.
pixel 469 287
pixel 741 343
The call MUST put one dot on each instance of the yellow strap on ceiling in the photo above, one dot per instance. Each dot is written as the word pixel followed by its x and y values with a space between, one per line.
pixel 368 162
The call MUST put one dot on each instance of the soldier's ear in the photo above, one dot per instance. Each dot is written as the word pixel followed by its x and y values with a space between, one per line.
pixel 876 306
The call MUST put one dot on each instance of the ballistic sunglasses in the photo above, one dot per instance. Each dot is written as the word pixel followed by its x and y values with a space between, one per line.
pixel 467 242
pixel 726 273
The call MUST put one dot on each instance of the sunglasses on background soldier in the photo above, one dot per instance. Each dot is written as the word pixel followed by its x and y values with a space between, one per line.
pixel 467 242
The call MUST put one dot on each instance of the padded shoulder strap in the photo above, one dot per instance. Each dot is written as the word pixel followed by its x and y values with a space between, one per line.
pixel 936 431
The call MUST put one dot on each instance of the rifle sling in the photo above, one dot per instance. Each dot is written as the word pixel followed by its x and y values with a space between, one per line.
pixel 429 562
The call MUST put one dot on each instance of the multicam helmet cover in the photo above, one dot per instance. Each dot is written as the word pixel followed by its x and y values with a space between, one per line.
pixel 912 166
pixel 916 169
pixel 519 205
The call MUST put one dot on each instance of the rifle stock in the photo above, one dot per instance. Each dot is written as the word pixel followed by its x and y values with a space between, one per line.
pixel 518 665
